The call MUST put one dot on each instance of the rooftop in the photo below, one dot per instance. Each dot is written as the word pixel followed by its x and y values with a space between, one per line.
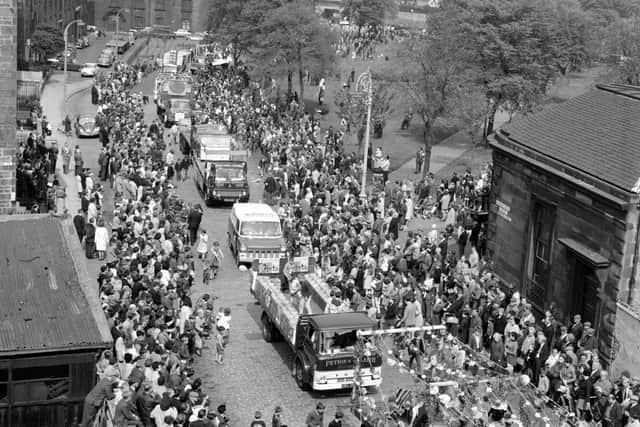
pixel 255 210
pixel 597 133
pixel 47 300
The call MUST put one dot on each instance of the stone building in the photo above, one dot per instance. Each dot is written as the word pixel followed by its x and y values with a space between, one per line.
pixel 564 223
pixel 173 14
pixel 8 88
pixel 58 13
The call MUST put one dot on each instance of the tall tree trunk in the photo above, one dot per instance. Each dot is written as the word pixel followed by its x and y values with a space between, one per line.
pixel 301 81
pixel 491 120
pixel 289 84
pixel 428 139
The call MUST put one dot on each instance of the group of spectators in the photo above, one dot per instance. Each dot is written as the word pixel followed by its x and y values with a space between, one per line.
pixel 148 377
pixel 434 277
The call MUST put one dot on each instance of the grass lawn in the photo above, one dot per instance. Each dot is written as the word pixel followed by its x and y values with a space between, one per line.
pixel 400 145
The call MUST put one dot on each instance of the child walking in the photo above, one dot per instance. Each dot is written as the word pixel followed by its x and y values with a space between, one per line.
pixel 220 345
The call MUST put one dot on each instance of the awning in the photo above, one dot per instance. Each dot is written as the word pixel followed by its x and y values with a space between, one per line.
pixel 592 257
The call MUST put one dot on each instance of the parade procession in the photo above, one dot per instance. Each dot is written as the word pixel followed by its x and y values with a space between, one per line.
pixel 380 213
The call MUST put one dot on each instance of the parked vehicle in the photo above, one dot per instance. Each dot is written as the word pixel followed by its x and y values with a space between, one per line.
pixel 90 69
pixel 86 126
pixel 105 61
pixel 182 33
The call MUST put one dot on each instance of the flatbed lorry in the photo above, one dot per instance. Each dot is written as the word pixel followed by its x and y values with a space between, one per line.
pixel 220 169
pixel 323 344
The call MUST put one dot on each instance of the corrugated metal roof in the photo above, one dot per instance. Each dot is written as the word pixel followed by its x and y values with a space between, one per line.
pixel 45 299
pixel 597 132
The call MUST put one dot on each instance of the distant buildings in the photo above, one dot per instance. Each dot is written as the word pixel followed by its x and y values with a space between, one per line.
pixel 188 14
pixel 564 226
pixel 31 13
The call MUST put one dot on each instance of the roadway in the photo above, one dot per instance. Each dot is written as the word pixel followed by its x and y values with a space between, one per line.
pixel 256 375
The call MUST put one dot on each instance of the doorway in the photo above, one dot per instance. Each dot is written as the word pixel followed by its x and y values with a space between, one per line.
pixel 586 287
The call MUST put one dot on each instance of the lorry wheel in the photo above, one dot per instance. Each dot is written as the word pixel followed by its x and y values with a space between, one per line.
pixel 267 329
pixel 299 375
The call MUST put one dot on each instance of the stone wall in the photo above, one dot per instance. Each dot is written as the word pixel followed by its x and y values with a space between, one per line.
pixel 586 217
pixel 8 90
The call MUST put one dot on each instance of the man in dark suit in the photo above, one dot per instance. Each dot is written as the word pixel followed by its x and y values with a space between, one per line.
pixel 577 327
pixel 79 223
pixel 193 223
pixel 540 354
pixel 95 399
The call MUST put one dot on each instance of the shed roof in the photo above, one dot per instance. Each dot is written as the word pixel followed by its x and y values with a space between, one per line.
pixel 597 133
pixel 47 300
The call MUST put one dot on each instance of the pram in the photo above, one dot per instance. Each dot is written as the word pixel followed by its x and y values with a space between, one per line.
pixel 426 208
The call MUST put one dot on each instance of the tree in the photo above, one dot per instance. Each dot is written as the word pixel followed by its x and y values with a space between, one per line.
pixel 47 41
pixel 291 39
pixel 433 69
pixel 369 12
pixel 353 106
pixel 237 23
pixel 623 44
pixel 516 51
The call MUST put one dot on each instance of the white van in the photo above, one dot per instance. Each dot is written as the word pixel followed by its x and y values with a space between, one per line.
pixel 255 233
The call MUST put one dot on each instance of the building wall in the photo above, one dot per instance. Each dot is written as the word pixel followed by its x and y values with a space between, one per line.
pixel 588 218
pixel 147 13
pixel 58 13
pixel 8 89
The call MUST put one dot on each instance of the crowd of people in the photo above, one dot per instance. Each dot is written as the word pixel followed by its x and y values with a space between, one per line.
pixel 435 277
pixel 148 377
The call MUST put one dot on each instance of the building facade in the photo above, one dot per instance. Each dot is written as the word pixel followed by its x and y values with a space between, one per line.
pixel 8 91
pixel 58 13
pixel 56 326
pixel 564 222
pixel 174 14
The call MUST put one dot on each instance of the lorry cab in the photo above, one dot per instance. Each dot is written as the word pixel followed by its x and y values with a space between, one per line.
pixel 254 233
pixel 325 348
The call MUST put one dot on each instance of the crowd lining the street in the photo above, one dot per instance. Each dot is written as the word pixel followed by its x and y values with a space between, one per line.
pixel 431 277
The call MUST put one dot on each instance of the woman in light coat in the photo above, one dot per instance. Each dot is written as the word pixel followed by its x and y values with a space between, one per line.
pixel 203 244
pixel 102 239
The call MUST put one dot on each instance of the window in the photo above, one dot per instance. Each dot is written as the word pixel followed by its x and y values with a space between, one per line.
pixel 333 342
pixel 4 388
pixel 260 229
pixel 160 17
pixel 160 5
pixel 543 230
pixel 38 384
pixel 539 254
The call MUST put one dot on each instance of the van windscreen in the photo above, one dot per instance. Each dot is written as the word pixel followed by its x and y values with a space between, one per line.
pixel 260 229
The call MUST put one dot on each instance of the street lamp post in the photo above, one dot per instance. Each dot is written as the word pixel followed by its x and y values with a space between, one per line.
pixel 364 85
pixel 66 47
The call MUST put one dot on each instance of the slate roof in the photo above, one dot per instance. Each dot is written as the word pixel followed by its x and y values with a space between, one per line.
pixel 597 133
pixel 47 300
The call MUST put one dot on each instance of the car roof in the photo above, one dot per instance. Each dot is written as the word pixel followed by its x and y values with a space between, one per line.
pixel 349 320
pixel 255 211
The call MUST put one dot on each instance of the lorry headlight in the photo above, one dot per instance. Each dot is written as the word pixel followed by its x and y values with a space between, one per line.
pixel 322 380
pixel 283 248
pixel 376 373
pixel 243 247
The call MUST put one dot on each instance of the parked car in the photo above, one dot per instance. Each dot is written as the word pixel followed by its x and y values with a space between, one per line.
pixel 181 32
pixel 72 65
pixel 197 37
pixel 86 126
pixel 90 69
pixel 105 61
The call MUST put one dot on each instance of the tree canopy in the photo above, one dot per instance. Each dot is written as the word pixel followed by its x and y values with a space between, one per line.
pixel 433 69
pixel 291 38
pixel 47 40
pixel 237 22
pixel 369 12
